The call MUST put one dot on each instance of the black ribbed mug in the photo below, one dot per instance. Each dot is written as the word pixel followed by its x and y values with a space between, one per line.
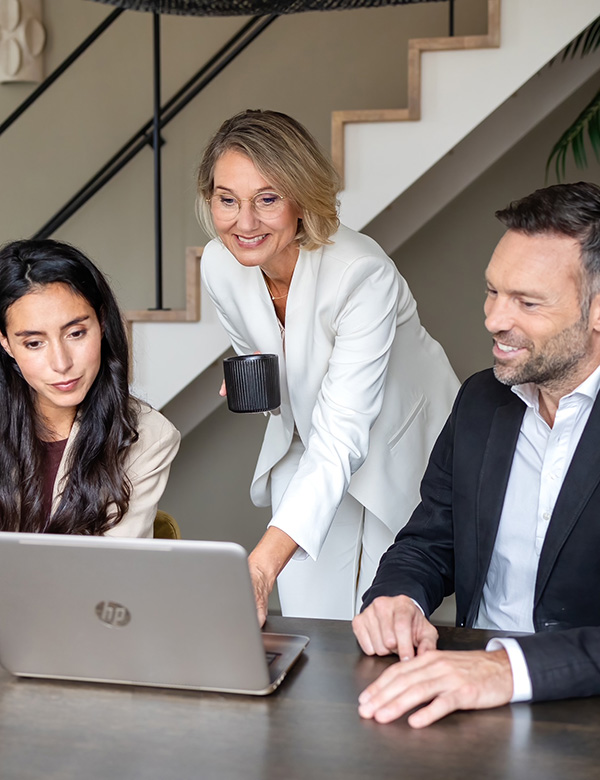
pixel 252 383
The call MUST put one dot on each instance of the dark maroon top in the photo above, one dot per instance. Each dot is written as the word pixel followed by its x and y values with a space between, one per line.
pixel 53 452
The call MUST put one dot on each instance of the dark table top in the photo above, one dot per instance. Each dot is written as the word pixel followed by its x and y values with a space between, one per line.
pixel 307 729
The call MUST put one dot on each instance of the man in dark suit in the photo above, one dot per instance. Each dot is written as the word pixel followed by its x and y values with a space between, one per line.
pixel 510 513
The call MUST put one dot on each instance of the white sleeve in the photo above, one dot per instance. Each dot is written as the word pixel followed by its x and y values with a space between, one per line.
pixel 521 680
pixel 348 403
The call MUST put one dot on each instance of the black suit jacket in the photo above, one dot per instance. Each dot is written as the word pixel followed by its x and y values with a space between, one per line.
pixel 447 545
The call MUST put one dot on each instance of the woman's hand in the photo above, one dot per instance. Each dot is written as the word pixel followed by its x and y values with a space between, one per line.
pixel 262 588
pixel 265 562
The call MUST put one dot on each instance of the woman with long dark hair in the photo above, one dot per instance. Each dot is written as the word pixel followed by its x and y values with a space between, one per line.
pixel 78 454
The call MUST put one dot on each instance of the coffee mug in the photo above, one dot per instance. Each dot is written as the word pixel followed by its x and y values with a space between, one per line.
pixel 252 383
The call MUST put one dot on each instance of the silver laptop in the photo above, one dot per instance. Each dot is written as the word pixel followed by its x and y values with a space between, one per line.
pixel 175 614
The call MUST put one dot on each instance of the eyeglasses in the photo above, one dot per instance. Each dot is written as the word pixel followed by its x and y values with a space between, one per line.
pixel 264 203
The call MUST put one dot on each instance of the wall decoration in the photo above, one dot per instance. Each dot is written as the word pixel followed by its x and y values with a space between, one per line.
pixel 22 40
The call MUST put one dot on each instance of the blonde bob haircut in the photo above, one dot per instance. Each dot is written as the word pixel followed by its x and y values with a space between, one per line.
pixel 287 155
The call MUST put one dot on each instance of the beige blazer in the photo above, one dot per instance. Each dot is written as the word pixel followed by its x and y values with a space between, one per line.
pixel 366 387
pixel 147 465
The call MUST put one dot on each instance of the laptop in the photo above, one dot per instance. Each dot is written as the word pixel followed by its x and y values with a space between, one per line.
pixel 168 613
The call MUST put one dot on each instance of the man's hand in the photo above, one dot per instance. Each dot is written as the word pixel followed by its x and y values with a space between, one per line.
pixel 449 680
pixel 394 625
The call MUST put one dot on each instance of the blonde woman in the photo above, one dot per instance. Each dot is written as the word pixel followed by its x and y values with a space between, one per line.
pixel 365 390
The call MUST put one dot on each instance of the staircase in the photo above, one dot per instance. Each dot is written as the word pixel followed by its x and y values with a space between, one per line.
pixel 400 167
pixel 459 90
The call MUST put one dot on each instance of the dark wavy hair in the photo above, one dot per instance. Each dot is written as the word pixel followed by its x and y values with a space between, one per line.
pixel 107 417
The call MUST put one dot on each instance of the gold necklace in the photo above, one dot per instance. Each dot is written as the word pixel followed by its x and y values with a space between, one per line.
pixel 274 297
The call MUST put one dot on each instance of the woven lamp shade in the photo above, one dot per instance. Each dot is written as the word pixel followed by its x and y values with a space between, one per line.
pixel 249 7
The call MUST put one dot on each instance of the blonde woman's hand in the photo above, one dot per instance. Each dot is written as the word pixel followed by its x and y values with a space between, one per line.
pixel 262 591
pixel 265 562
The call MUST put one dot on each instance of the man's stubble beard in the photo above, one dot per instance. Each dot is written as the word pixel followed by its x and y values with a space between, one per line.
pixel 556 363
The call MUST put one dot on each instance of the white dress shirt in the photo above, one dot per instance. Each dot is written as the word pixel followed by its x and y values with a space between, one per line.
pixel 541 461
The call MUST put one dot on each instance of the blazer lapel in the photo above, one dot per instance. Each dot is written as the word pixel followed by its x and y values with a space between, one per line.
pixel 493 480
pixel 580 482
pixel 304 300
pixel 264 322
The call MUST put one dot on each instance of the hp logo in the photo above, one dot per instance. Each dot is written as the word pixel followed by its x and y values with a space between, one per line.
pixel 113 614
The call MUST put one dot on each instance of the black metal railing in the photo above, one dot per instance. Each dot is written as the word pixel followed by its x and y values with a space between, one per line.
pixel 149 133
pixel 75 54
pixel 156 145
pixel 144 136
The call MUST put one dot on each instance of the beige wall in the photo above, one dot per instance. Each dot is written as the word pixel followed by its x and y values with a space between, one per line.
pixel 305 64
pixel 208 490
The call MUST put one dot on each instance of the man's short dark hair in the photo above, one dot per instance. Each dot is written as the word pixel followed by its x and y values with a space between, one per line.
pixel 564 209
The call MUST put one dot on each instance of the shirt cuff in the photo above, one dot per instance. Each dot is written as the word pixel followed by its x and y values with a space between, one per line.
pixel 416 603
pixel 300 554
pixel 522 690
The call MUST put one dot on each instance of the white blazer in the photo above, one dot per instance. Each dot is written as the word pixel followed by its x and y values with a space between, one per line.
pixel 365 386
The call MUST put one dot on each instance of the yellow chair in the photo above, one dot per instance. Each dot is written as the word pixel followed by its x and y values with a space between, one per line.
pixel 165 526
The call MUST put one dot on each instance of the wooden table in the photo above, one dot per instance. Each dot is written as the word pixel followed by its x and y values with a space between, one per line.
pixel 309 729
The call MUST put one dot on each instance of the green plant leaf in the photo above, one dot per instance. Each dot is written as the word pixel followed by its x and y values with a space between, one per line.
pixel 587 41
pixel 574 138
